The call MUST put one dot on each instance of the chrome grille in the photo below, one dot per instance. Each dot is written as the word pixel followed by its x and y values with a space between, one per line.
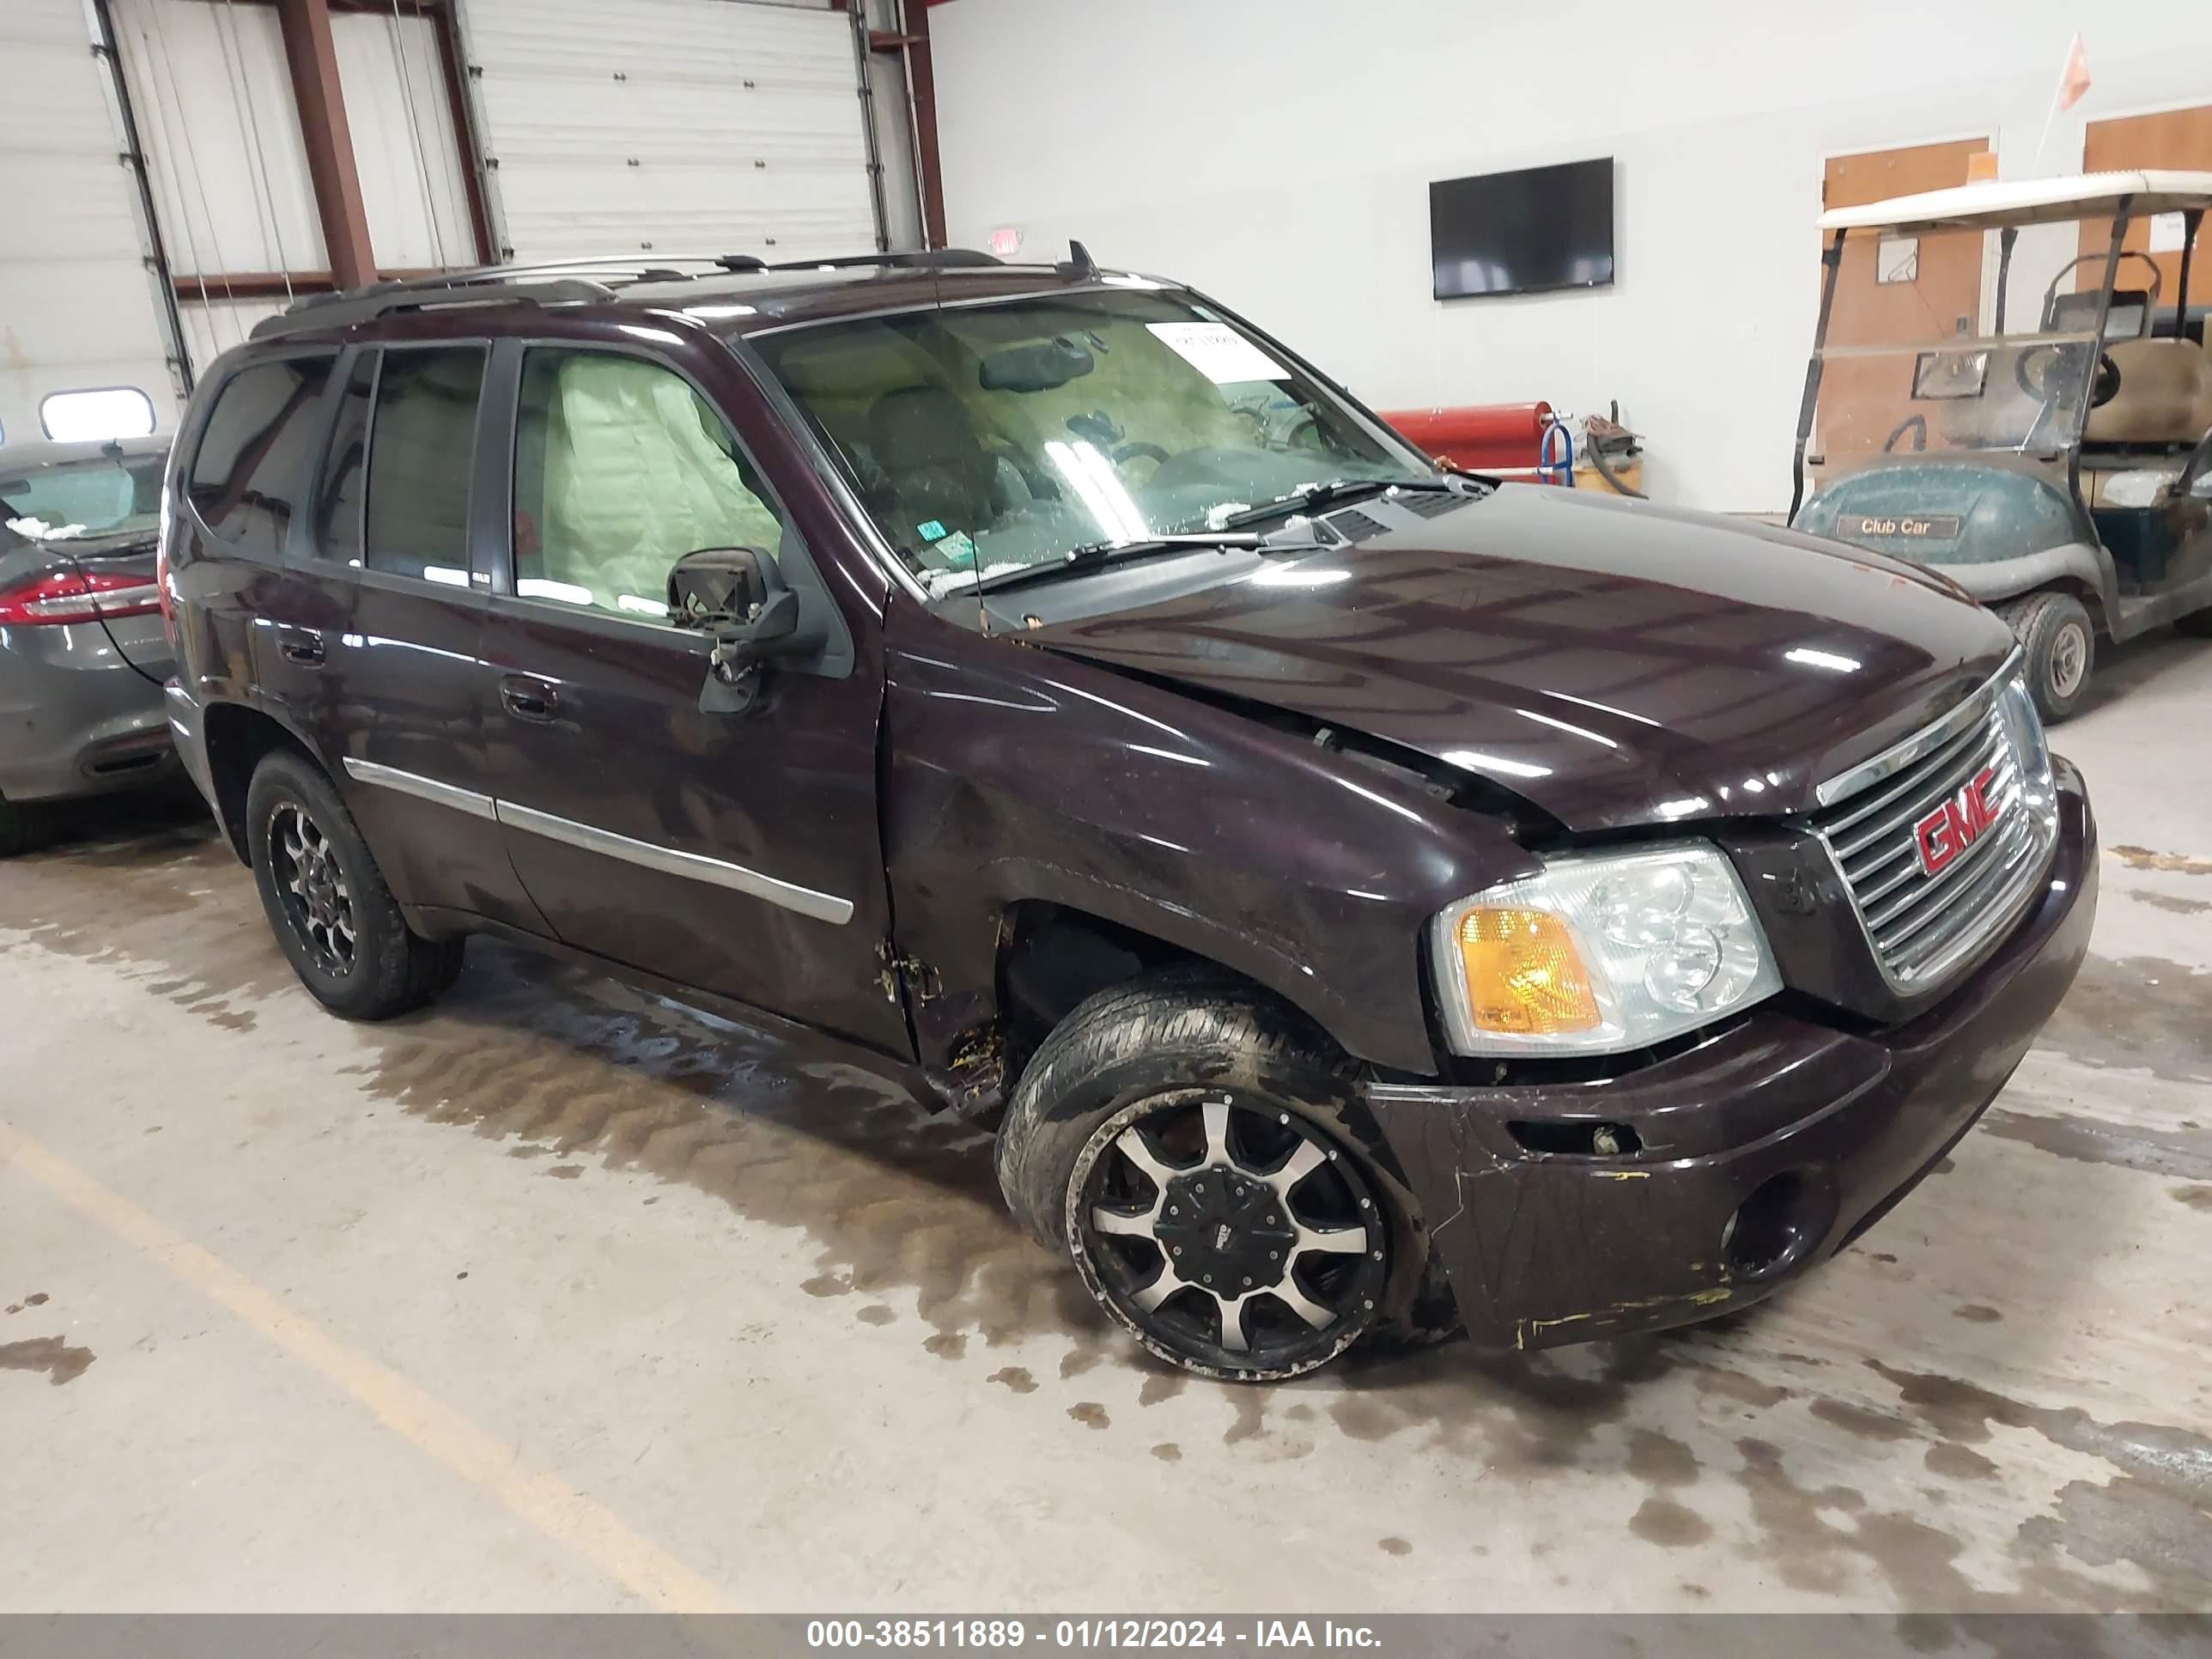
pixel 1923 925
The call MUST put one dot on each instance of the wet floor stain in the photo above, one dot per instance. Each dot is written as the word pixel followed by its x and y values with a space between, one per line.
pixel 2141 858
pixel 559 1063
pixel 2092 1141
pixel 2150 1515
pixel 566 1171
pixel 1661 1460
pixel 2137 1012
pixel 1671 1525
pixel 1858 1420
pixel 1161 1385
pixel 2174 904
pixel 1956 1462
pixel 50 1354
pixel 875 1313
pixel 1976 1313
pixel 1390 1546
pixel 2196 1198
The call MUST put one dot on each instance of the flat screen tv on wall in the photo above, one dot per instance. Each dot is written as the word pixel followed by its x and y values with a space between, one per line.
pixel 1523 232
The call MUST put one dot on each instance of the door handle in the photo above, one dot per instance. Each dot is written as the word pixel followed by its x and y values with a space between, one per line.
pixel 300 645
pixel 529 699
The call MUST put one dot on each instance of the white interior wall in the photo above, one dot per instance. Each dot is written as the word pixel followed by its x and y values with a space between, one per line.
pixel 1280 155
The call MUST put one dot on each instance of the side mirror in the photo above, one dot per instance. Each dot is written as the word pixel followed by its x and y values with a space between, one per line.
pixel 738 598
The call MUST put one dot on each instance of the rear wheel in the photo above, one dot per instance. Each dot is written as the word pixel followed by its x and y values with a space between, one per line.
pixel 22 829
pixel 1193 1145
pixel 2059 643
pixel 327 901
pixel 2196 625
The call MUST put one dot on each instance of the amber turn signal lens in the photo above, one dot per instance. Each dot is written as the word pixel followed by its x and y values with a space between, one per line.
pixel 1523 973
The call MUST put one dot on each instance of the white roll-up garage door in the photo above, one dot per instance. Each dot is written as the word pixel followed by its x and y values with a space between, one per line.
pixel 76 306
pixel 674 126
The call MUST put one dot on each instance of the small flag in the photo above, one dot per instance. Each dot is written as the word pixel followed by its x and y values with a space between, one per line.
pixel 2074 79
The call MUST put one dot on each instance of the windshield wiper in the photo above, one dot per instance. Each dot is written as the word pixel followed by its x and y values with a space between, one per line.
pixel 1092 556
pixel 1333 491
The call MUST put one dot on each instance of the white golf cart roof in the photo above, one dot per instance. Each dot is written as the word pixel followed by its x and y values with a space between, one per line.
pixel 1995 203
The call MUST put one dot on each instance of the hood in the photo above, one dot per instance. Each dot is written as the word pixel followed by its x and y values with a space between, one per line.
pixel 1615 662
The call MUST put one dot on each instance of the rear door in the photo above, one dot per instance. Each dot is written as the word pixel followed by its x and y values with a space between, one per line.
pixel 735 852
pixel 370 638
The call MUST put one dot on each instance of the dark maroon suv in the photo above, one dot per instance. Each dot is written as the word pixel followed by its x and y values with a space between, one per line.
pixel 1365 900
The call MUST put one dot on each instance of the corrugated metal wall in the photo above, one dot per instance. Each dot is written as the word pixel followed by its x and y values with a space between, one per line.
pixel 676 126
pixel 230 169
pixel 76 308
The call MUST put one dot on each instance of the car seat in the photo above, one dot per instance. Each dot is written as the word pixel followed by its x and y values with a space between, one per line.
pixel 2164 395
pixel 934 465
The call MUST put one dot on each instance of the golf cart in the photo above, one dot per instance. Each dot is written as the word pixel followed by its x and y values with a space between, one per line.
pixel 2013 392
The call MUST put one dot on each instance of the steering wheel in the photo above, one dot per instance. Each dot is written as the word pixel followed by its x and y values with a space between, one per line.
pixel 1139 450
pixel 1917 425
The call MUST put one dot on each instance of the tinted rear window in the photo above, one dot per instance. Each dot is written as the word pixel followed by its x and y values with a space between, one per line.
pixel 249 468
pixel 422 449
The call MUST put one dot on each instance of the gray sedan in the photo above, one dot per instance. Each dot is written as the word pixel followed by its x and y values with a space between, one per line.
pixel 84 650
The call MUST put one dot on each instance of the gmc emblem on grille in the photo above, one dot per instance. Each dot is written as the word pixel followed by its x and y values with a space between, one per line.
pixel 1957 824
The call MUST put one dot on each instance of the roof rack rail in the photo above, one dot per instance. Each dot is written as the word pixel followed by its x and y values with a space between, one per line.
pixel 933 259
pixel 359 305
pixel 551 281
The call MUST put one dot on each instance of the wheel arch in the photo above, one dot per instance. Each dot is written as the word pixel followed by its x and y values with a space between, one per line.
pixel 2078 569
pixel 238 735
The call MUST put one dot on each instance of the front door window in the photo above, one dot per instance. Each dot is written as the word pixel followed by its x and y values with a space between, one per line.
pixel 621 468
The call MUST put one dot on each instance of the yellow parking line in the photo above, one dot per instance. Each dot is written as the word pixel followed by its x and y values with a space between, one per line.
pixel 547 1503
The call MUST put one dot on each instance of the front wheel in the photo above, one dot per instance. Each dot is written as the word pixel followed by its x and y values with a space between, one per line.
pixel 327 901
pixel 2059 643
pixel 1192 1145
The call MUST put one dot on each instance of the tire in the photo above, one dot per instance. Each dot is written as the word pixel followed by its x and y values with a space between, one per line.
pixel 2060 643
pixel 339 925
pixel 1191 1086
pixel 22 828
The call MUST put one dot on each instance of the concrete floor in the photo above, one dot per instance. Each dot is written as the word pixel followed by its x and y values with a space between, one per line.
pixel 559 1297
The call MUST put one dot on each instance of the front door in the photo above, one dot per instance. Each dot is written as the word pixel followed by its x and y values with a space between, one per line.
pixel 735 852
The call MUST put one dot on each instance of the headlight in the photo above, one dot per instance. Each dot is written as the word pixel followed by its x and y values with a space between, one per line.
pixel 1601 952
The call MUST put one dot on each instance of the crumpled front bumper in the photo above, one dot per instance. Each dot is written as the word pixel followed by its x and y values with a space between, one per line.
pixel 1763 1153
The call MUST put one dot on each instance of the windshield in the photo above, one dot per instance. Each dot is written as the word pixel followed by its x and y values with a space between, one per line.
pixel 1916 360
pixel 102 496
pixel 985 439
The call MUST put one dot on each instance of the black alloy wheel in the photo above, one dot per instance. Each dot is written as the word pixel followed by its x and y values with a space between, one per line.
pixel 317 902
pixel 1227 1233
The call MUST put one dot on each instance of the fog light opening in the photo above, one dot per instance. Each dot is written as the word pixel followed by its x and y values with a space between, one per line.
pixel 1577 1140
pixel 1771 1229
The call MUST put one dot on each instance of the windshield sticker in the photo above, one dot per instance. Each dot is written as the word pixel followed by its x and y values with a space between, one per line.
pixel 958 552
pixel 929 530
pixel 1219 352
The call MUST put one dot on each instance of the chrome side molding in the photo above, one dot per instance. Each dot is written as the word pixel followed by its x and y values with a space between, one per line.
pixel 422 788
pixel 823 907
pixel 695 866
